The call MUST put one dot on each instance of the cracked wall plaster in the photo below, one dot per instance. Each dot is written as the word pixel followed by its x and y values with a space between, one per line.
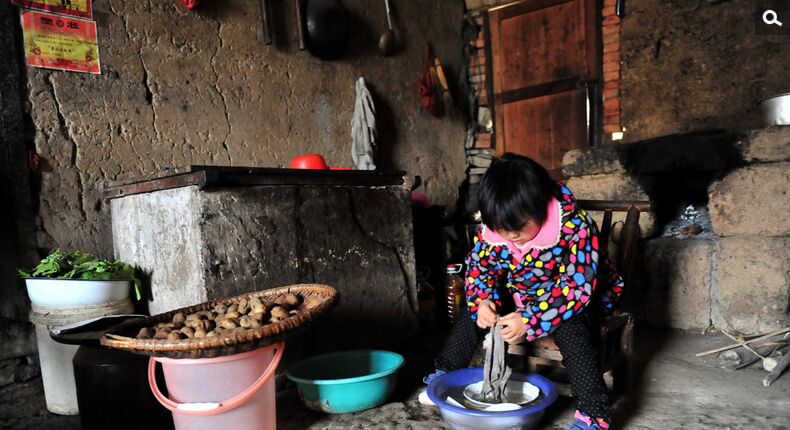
pixel 183 87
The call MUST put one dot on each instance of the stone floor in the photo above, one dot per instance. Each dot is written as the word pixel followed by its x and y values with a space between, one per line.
pixel 675 390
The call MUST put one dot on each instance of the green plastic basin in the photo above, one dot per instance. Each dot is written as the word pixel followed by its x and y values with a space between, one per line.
pixel 346 381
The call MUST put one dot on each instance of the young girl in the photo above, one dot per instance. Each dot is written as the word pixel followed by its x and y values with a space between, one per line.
pixel 543 250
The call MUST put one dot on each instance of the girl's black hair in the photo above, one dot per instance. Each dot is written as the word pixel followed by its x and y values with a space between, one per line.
pixel 513 190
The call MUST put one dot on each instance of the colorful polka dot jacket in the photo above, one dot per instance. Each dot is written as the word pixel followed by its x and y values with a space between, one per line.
pixel 549 284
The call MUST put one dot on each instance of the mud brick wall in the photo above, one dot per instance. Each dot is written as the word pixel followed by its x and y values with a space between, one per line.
pixel 18 356
pixel 182 87
pixel 695 65
pixel 17 234
pixel 735 277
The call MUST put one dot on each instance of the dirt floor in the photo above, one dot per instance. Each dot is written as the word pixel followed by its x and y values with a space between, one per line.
pixel 674 390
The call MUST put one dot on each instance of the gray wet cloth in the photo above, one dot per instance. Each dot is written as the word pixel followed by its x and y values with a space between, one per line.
pixel 495 371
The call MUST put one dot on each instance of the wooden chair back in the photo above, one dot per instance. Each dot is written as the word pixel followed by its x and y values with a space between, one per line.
pixel 624 258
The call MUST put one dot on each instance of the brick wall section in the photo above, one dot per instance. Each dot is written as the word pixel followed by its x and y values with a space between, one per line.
pixel 612 56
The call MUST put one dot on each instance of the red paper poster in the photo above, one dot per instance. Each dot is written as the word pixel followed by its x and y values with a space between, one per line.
pixel 59 42
pixel 80 8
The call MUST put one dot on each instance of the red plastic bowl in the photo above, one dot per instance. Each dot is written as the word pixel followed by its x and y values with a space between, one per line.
pixel 309 161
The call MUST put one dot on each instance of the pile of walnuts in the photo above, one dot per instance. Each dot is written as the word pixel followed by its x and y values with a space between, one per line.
pixel 247 313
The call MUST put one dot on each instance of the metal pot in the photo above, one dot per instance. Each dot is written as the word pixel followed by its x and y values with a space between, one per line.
pixel 776 109
pixel 327 28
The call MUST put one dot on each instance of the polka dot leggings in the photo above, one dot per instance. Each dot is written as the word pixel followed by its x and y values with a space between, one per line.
pixel 573 339
pixel 587 385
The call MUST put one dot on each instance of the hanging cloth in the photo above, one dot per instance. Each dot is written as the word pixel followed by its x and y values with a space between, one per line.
pixel 363 129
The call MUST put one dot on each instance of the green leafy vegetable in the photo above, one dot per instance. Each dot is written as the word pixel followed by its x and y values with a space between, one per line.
pixel 79 265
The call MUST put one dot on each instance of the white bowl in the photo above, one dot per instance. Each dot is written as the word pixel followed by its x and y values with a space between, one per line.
pixel 776 109
pixel 75 292
pixel 516 392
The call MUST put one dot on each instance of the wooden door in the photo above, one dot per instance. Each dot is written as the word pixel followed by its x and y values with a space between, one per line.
pixel 545 65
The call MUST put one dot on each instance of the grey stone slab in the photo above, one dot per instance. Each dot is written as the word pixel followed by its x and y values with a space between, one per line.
pixel 600 160
pixel 614 186
pixel 701 151
pixel 17 337
pixel 752 201
pixel 751 289
pixel 679 278
pixel 159 233
pixel 765 145
pixel 18 369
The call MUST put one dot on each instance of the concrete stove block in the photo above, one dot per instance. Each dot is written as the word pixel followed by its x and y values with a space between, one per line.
pixel 204 244
pixel 679 276
pixel 752 201
pixel 751 288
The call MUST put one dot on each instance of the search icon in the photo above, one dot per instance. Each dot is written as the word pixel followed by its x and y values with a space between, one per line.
pixel 770 18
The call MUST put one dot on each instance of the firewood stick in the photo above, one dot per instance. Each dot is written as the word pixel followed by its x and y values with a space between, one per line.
pixel 780 367
pixel 735 345
pixel 743 344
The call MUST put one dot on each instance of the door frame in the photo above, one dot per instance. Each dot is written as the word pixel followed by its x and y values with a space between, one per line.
pixel 593 82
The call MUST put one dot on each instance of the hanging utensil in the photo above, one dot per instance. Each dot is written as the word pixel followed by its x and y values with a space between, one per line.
pixel 299 23
pixel 267 25
pixel 327 26
pixel 387 40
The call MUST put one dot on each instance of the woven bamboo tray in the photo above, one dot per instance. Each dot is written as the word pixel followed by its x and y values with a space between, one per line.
pixel 317 300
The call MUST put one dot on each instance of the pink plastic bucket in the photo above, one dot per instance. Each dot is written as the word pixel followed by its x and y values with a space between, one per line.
pixel 235 391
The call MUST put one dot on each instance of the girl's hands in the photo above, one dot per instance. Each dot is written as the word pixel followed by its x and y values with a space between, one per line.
pixel 486 314
pixel 513 329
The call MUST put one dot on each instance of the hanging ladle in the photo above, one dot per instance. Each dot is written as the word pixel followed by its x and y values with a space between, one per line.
pixel 387 40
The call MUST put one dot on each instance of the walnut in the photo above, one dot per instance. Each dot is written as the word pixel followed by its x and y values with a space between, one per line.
pixel 175 335
pixel 162 333
pixel 228 324
pixel 246 321
pixel 145 333
pixel 258 308
pixel 292 300
pixel 279 312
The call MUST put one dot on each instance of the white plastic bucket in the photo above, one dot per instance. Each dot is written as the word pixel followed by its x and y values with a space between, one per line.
pixel 235 391
pixel 57 371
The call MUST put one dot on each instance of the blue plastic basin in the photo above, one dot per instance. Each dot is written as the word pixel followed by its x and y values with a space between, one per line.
pixel 346 381
pixel 458 418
